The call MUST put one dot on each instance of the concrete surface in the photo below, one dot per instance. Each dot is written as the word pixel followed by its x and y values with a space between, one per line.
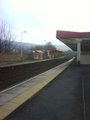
pixel 67 97
pixel 13 97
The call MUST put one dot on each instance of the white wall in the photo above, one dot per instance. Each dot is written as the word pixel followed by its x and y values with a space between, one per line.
pixel 85 59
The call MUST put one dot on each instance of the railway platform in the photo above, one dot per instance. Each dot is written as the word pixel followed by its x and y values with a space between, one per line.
pixel 67 97
pixel 13 97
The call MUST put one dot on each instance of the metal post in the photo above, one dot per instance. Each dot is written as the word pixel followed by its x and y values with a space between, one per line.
pixel 22 44
pixel 78 50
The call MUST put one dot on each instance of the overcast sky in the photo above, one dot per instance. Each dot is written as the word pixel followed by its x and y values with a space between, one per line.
pixel 41 18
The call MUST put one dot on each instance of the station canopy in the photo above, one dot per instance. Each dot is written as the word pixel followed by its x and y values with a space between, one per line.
pixel 69 38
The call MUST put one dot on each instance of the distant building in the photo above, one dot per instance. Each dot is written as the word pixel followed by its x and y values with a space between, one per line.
pixel 37 55
pixel 47 53
pixel 52 53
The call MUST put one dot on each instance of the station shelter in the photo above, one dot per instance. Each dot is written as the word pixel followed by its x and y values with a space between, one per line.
pixel 77 41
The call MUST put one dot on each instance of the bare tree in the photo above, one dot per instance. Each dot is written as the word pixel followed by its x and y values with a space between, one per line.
pixel 49 45
pixel 6 38
pixel 38 47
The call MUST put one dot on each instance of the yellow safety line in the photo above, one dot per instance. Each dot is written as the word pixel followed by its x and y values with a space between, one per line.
pixel 10 106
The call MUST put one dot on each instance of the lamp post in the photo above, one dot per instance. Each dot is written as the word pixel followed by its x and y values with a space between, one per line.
pixel 21 54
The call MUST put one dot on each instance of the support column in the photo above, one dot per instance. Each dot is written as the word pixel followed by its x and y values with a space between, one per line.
pixel 78 50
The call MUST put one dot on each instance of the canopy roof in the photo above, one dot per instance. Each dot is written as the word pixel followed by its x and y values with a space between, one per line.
pixel 70 34
pixel 69 38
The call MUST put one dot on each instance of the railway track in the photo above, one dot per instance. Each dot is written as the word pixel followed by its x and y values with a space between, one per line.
pixel 15 74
